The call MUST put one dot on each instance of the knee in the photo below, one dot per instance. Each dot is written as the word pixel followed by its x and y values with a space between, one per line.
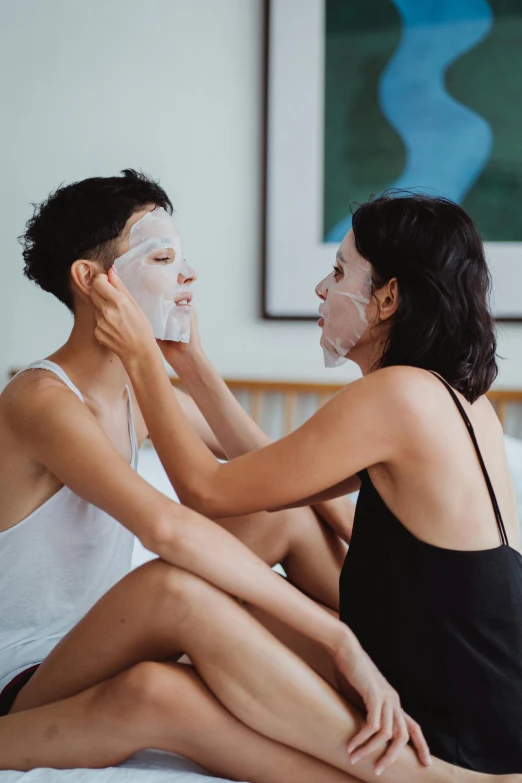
pixel 171 589
pixel 150 691
pixel 299 524
pixel 135 689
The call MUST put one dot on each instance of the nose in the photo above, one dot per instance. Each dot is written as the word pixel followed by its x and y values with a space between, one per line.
pixel 187 276
pixel 321 291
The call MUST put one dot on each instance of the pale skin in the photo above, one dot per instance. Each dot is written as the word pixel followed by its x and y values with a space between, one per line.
pixel 278 717
pixel 399 422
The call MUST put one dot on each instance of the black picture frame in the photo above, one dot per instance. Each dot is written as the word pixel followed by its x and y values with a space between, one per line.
pixel 266 314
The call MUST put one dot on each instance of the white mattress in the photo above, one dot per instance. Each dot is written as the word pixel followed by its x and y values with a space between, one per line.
pixel 149 766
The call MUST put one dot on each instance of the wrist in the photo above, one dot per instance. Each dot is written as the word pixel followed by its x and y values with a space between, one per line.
pixel 189 365
pixel 342 641
pixel 143 360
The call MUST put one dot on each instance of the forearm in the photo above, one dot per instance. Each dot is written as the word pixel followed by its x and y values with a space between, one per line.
pixel 237 433
pixel 188 462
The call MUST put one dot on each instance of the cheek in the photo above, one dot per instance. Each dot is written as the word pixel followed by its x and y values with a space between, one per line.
pixel 336 312
pixel 372 312
pixel 160 281
pixel 344 317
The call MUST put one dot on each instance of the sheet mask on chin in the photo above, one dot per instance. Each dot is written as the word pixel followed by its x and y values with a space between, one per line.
pixel 344 311
pixel 155 285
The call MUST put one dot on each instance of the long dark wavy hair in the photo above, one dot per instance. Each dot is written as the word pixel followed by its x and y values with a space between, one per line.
pixel 443 321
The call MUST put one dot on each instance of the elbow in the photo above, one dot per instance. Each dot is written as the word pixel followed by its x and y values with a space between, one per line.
pixel 176 536
pixel 164 535
pixel 205 502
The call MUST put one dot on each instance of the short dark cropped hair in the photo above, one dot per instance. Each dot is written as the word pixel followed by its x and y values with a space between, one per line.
pixel 443 321
pixel 83 220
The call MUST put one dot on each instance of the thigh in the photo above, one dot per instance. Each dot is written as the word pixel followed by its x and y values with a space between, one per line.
pixel 309 550
pixel 134 621
pixel 266 533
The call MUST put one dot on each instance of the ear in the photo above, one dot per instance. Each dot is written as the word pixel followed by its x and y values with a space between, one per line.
pixel 388 297
pixel 83 273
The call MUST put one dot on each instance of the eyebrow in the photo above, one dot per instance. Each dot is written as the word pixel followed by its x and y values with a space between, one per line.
pixel 339 256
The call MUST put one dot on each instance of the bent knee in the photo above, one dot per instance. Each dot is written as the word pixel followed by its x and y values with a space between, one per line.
pixel 151 690
pixel 167 586
pixel 301 524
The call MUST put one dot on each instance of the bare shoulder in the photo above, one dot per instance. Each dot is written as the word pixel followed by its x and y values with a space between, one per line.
pixel 397 402
pixel 424 399
pixel 29 385
pixel 34 394
pixel 391 387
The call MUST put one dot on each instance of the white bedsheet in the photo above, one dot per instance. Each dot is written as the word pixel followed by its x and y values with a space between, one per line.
pixel 149 766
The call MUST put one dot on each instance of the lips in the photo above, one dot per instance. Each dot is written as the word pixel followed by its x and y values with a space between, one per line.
pixel 183 299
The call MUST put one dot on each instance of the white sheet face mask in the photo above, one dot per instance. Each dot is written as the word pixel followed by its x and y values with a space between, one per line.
pixel 344 311
pixel 155 272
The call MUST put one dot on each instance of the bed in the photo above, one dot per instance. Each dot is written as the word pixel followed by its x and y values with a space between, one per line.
pixel 149 766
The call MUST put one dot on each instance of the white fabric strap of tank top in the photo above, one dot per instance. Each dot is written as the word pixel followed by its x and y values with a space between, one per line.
pixel 132 430
pixel 47 364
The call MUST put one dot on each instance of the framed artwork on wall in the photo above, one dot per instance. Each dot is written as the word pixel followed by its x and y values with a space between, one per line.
pixel 364 95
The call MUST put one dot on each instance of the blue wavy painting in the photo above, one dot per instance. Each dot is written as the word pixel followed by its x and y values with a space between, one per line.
pixel 418 95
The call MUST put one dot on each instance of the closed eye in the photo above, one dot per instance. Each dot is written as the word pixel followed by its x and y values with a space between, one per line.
pixel 162 256
pixel 337 272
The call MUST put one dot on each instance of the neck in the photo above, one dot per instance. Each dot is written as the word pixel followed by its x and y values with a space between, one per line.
pixel 97 372
pixel 366 354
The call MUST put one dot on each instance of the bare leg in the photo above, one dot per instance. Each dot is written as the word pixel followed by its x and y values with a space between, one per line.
pixel 310 552
pixel 312 653
pixel 158 610
pixel 160 705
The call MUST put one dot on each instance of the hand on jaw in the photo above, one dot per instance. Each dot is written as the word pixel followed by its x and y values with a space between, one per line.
pixel 121 325
pixel 178 354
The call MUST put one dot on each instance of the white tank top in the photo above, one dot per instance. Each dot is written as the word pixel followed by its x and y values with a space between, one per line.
pixel 55 564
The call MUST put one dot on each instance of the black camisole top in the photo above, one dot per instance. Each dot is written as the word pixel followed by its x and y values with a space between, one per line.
pixel 444 627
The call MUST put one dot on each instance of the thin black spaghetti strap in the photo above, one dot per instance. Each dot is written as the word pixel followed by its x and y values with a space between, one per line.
pixel 496 509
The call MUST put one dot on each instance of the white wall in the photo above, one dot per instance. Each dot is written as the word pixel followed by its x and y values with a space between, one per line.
pixel 173 87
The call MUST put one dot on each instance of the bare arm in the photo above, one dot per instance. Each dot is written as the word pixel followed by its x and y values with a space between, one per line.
pixel 348 433
pixel 361 426
pixel 231 424
pixel 194 416
pixel 237 431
